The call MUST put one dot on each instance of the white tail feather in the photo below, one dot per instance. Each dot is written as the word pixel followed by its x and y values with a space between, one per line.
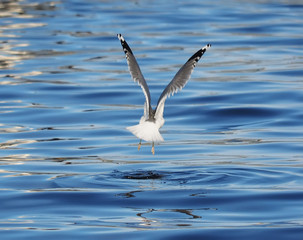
pixel 147 131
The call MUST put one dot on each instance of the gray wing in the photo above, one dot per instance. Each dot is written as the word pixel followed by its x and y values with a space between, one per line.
pixel 135 72
pixel 180 79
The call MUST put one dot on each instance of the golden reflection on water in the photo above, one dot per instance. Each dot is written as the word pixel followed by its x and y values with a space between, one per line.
pixel 15 143
pixel 12 45
pixel 9 57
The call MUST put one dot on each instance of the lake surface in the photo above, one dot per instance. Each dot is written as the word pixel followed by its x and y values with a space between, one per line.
pixel 231 166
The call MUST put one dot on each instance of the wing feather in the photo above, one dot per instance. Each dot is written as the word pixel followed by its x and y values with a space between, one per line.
pixel 135 71
pixel 179 80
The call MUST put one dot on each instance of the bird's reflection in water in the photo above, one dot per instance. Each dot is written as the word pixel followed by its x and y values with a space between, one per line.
pixel 147 182
pixel 146 221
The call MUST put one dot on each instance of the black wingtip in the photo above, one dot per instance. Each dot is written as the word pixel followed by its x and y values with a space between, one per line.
pixel 206 46
pixel 120 37
pixel 199 53
pixel 124 44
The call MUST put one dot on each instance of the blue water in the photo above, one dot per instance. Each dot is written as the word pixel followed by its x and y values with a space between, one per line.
pixel 231 166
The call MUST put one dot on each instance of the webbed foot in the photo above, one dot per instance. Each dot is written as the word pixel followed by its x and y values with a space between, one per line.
pixel 139 145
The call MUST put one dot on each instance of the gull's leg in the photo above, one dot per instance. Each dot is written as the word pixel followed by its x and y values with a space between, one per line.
pixel 153 149
pixel 139 145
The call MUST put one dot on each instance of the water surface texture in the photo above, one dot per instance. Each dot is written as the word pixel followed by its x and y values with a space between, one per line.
pixel 231 164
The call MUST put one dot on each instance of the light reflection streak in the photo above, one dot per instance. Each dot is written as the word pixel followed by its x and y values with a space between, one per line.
pixel 11 35
pixel 14 129
pixel 15 143
pixel 151 221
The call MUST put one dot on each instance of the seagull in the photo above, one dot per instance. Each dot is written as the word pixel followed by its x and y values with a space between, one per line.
pixel 152 120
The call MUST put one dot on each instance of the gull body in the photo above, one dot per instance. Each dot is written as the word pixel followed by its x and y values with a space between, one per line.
pixel 152 120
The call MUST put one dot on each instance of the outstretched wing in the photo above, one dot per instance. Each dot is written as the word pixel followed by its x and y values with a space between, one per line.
pixel 179 80
pixel 136 73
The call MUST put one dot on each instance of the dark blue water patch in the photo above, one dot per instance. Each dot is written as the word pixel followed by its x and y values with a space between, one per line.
pixel 242 113
pixel 293 233
pixel 252 29
pixel 286 6
pixel 109 96
pixel 287 72
pixel 261 42
pixel 261 29
pixel 94 233
pixel 290 121
pixel 287 123
pixel 105 132
pixel 77 7
pixel 36 181
pixel 253 97
pixel 9 92
pixel 258 177
pixel 93 182
pixel 237 16
pixel 198 178
pixel 50 88
pixel 282 148
pixel 56 202
pixel 204 115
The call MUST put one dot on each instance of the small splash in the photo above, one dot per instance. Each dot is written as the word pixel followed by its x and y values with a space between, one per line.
pixel 140 174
